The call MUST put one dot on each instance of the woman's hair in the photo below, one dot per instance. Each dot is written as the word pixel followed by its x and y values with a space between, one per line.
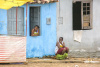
pixel 61 38
pixel 37 26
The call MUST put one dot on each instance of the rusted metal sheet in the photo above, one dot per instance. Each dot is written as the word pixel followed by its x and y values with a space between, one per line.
pixel 12 49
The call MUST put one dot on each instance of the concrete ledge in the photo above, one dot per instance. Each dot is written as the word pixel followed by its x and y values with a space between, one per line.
pixel 55 61
pixel 70 60
pixel 93 62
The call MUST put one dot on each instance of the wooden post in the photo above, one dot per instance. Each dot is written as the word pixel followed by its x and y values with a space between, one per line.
pixel 16 19
pixel 26 17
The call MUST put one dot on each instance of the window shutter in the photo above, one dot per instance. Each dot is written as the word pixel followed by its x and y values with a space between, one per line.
pixel 11 21
pixel 77 16
pixel 86 16
pixel 20 21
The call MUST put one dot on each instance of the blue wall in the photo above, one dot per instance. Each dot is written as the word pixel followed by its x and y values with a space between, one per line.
pixel 40 46
pixel 3 21
pixel 37 46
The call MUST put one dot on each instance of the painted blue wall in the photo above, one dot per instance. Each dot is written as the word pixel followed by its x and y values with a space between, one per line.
pixel 44 44
pixel 3 21
pixel 37 46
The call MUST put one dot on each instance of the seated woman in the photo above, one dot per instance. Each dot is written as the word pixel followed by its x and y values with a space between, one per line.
pixel 35 31
pixel 60 47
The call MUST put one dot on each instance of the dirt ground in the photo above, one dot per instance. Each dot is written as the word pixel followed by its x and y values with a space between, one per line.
pixel 52 65
pixel 30 63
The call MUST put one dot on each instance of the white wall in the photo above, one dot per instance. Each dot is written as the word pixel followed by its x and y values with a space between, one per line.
pixel 90 38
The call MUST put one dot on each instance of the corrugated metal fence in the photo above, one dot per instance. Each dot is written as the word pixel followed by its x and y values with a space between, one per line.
pixel 12 49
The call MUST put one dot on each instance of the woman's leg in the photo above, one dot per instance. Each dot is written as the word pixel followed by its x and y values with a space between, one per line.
pixel 61 51
pixel 67 49
pixel 64 50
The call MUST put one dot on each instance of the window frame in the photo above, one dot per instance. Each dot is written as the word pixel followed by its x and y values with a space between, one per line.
pixel 91 13
pixel 30 20
pixel 17 8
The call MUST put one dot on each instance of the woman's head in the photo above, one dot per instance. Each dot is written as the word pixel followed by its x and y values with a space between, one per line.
pixel 36 27
pixel 60 39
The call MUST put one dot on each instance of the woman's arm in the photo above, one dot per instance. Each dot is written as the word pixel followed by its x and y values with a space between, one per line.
pixel 64 44
pixel 38 32
pixel 58 45
pixel 32 34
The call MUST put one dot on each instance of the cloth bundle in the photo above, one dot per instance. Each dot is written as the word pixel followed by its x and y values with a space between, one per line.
pixel 61 57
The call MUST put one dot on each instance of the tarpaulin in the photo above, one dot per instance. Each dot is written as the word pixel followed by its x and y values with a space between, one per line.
pixel 7 4
pixel 12 49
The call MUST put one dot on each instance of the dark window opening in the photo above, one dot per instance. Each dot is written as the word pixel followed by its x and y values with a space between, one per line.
pixel 84 8
pixel 84 4
pixel 77 16
pixel 88 12
pixel 88 8
pixel 84 12
pixel 81 16
pixel 88 4
pixel 34 18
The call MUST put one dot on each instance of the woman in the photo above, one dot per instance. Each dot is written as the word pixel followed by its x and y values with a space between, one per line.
pixel 60 47
pixel 35 31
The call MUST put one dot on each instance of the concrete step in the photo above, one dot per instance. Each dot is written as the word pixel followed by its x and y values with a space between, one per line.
pixel 53 61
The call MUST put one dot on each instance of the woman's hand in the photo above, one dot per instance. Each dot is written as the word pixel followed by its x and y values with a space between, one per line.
pixel 64 45
pixel 32 34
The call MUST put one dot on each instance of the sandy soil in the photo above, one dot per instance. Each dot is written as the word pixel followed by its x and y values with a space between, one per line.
pixel 31 64
pixel 52 65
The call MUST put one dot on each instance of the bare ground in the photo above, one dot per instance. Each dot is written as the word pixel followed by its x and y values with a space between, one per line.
pixel 32 64
pixel 52 65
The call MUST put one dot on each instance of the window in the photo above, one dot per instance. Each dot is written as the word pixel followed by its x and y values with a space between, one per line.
pixel 15 21
pixel 86 15
pixel 34 18
pixel 82 15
